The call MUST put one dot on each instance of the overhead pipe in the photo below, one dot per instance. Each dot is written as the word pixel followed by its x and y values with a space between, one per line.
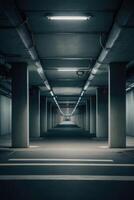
pixel 20 24
pixel 121 21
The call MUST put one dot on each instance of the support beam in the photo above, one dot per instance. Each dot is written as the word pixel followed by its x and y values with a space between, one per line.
pixel 101 113
pixel 35 112
pixel 20 105
pixel 43 115
pixel 92 114
pixel 117 105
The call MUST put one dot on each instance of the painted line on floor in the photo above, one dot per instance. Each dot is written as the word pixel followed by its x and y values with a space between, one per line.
pixel 67 177
pixel 60 160
pixel 68 164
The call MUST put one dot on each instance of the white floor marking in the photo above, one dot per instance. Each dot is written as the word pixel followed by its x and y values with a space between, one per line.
pixel 58 159
pixel 67 177
pixel 68 164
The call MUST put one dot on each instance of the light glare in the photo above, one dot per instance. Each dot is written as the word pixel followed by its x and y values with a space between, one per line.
pixel 67 70
pixel 70 18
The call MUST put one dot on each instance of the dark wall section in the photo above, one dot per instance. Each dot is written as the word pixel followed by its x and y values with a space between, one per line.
pixel 5 115
pixel 77 118
pixel 130 112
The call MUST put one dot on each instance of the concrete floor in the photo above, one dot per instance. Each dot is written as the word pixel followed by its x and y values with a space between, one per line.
pixel 57 167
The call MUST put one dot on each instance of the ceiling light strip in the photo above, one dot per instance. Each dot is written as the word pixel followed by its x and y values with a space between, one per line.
pixel 67 69
pixel 69 18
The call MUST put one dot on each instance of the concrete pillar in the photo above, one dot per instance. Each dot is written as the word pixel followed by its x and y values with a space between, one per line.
pixel 48 115
pixel 34 112
pixel 79 117
pixel 102 113
pixel 43 115
pixel 87 115
pixel 92 114
pixel 117 105
pixel 84 117
pixel 54 116
pixel 51 118
pixel 20 105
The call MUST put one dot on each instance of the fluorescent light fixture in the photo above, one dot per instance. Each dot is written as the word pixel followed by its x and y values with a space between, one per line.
pixel 37 63
pixel 86 86
pixel 51 92
pixel 67 69
pixel 132 85
pixel 94 70
pixel 82 93
pixel 91 77
pixel 40 70
pixel 129 88
pixel 69 18
pixel 54 99
pixel 47 85
pixel 79 98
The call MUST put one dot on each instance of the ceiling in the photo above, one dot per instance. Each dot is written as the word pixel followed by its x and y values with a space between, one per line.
pixel 67 44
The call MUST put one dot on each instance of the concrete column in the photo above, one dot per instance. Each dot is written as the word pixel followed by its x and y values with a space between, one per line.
pixel 43 115
pixel 87 115
pixel 51 119
pixel 93 114
pixel 117 105
pixel 20 105
pixel 102 112
pixel 84 116
pixel 48 115
pixel 79 117
pixel 54 116
pixel 34 112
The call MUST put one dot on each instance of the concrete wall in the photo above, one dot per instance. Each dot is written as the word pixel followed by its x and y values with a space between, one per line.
pixel 77 118
pixel 56 117
pixel 102 112
pixel 93 114
pixel 5 115
pixel 130 113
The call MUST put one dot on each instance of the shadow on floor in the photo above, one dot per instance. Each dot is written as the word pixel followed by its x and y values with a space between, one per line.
pixel 67 131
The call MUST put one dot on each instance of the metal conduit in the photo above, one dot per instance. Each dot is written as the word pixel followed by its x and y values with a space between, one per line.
pixel 121 21
pixel 20 24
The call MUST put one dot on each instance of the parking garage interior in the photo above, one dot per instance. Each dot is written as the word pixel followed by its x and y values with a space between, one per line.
pixel 66 99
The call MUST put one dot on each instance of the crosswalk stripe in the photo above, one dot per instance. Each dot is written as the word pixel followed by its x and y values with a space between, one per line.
pixel 61 159
pixel 69 164
pixel 67 177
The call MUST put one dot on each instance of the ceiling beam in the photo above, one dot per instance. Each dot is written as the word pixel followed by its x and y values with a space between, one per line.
pixel 87 11
pixel 20 23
